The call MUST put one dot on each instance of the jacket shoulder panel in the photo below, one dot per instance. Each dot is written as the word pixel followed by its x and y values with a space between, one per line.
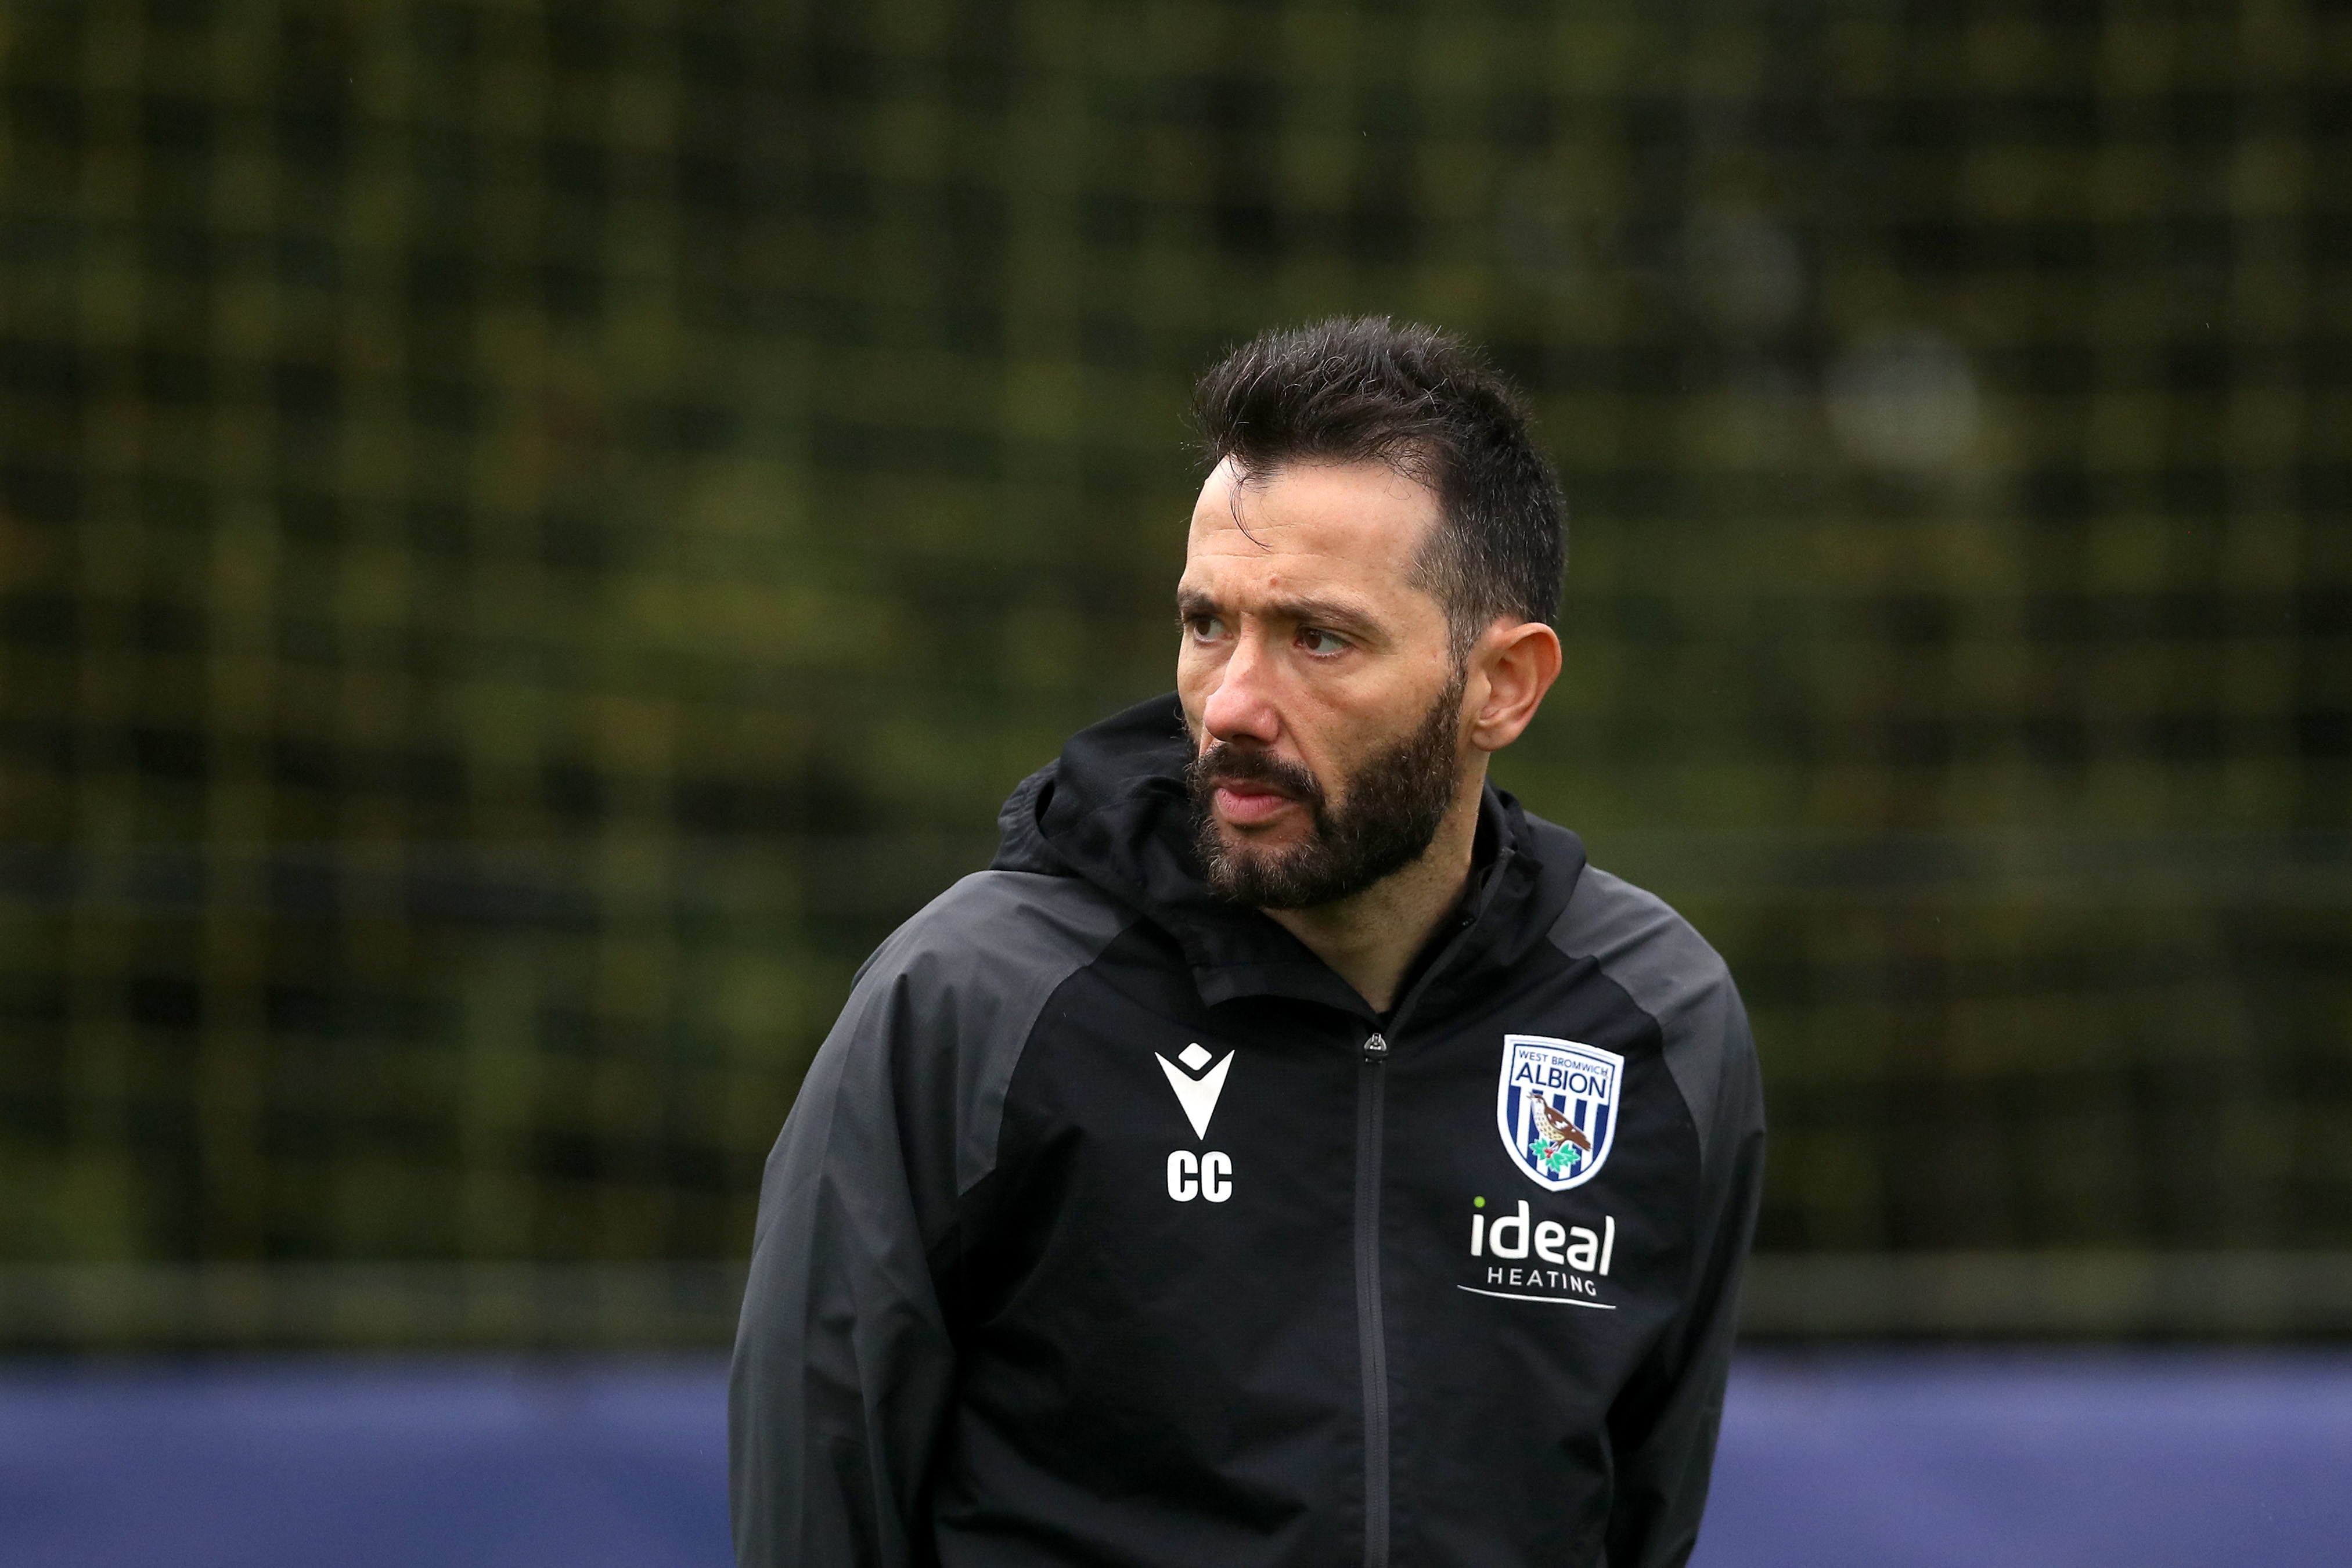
pixel 969 975
pixel 1672 974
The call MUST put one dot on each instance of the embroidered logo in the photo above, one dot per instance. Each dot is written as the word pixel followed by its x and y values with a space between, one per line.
pixel 1556 1105
pixel 1196 1090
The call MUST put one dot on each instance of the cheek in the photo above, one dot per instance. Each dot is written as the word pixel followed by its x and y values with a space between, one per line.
pixel 1350 736
pixel 1335 744
pixel 1195 678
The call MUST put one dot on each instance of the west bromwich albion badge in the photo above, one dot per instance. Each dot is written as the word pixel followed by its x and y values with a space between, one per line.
pixel 1556 1106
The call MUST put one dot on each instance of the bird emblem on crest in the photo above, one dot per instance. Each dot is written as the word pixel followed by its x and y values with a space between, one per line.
pixel 1555 1136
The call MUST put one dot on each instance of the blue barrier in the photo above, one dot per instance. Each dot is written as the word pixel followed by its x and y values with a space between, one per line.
pixel 1915 1460
pixel 365 1464
pixel 2072 1459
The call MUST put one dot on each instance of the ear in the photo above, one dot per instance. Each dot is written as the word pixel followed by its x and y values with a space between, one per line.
pixel 1518 664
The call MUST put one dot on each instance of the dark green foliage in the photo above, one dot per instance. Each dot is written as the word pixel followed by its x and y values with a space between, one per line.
pixel 531 536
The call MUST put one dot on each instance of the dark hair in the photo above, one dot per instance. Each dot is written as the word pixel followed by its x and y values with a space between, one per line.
pixel 1359 389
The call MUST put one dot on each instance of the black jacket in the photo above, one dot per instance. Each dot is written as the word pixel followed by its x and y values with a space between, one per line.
pixel 1112 1227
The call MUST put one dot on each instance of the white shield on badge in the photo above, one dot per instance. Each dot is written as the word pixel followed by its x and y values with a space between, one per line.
pixel 1556 1105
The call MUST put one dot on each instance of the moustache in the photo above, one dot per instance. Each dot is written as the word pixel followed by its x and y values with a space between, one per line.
pixel 1224 763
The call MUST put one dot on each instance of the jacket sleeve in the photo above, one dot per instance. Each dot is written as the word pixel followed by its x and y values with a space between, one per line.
pixel 1662 1429
pixel 843 1362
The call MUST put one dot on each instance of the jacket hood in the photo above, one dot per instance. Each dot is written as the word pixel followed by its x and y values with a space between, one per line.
pixel 1112 810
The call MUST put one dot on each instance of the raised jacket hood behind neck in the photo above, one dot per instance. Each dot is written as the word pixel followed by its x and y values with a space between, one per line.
pixel 1112 810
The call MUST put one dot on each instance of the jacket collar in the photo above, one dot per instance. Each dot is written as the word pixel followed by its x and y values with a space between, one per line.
pixel 1113 811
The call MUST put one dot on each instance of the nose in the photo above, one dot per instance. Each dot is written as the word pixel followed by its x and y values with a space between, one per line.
pixel 1241 706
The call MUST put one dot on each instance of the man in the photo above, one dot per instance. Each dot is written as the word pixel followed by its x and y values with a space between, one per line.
pixel 1291 1152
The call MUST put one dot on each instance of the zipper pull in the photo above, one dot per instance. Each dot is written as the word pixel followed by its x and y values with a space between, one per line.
pixel 1376 1049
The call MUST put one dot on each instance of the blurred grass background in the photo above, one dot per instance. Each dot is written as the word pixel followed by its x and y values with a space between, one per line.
pixel 535 534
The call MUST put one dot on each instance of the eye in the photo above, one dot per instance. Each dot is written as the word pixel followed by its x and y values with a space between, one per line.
pixel 1317 641
pixel 1205 628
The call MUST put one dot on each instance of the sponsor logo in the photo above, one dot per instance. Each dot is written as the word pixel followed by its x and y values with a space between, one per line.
pixel 1197 1084
pixel 1198 1078
pixel 1556 1107
pixel 1541 1259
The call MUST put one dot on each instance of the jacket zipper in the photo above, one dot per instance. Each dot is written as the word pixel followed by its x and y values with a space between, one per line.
pixel 1371 1336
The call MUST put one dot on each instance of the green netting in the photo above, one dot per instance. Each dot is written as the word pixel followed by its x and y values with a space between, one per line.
pixel 534 535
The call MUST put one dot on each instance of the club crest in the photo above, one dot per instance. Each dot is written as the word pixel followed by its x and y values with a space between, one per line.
pixel 1556 1106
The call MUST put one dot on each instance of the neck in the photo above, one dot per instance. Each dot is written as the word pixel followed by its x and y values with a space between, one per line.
pixel 1369 940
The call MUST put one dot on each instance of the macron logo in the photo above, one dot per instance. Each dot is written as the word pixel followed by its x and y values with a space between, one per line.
pixel 1198 1095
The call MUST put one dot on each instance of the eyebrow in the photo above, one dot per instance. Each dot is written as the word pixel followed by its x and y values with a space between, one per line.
pixel 1326 612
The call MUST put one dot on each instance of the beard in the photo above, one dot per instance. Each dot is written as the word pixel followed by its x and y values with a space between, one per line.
pixel 1386 819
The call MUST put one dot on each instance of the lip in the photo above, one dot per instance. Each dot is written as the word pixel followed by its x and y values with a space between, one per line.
pixel 1246 805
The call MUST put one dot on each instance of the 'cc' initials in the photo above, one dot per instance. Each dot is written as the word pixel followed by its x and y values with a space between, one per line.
pixel 1209 1176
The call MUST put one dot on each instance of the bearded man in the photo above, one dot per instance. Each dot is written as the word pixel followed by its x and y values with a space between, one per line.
pixel 1291 1152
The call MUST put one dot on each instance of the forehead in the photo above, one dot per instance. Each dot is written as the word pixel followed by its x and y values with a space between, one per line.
pixel 1357 528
